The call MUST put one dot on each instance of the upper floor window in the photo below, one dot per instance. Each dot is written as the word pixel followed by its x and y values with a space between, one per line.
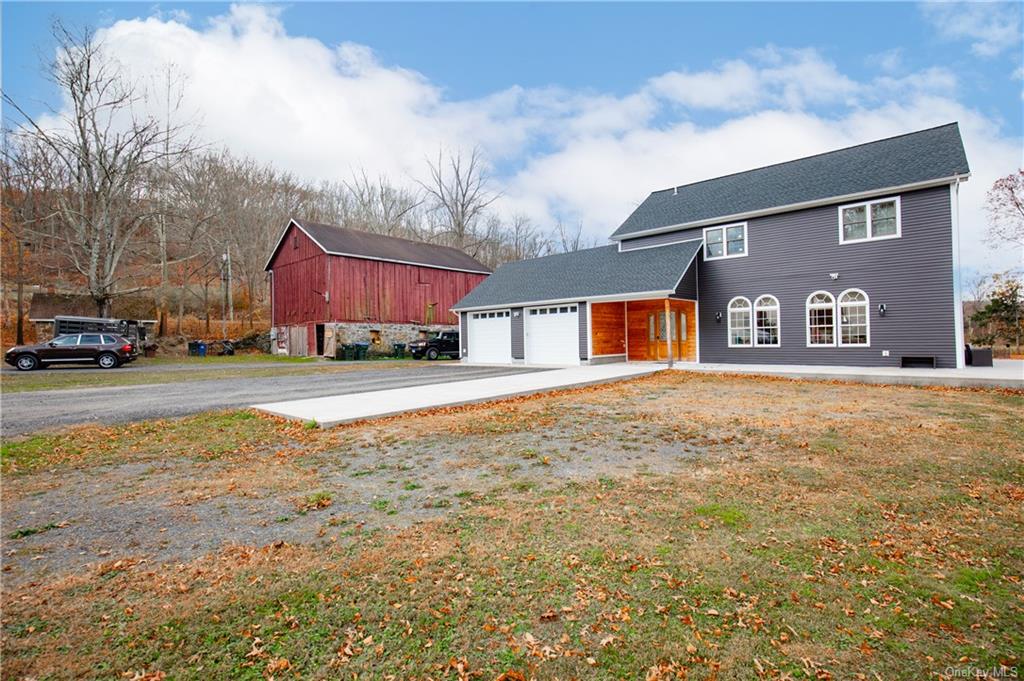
pixel 853 318
pixel 821 321
pixel 739 323
pixel 727 241
pixel 869 221
pixel 766 321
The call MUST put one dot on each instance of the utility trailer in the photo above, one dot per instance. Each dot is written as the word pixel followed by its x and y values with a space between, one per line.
pixel 130 329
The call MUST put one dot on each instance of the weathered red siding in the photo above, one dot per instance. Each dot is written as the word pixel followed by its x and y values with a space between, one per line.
pixel 360 290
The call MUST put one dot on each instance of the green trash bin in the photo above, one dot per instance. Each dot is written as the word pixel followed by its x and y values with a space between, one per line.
pixel 361 349
pixel 348 352
pixel 398 350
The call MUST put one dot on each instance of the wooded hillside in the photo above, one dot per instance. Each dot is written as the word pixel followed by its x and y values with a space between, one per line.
pixel 104 200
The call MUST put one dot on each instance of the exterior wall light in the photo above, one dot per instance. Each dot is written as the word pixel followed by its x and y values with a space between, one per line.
pixel 881 310
pixel 718 317
pixel 833 276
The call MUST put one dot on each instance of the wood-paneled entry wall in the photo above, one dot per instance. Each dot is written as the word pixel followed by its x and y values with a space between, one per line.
pixel 646 324
pixel 608 328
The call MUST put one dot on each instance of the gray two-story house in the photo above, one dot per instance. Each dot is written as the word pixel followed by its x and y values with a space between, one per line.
pixel 844 258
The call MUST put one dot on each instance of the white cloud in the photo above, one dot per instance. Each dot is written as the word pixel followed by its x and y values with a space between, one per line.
pixel 890 60
pixel 774 77
pixel 322 111
pixel 991 27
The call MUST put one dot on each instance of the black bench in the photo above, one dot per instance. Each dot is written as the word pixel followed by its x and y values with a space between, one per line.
pixel 917 362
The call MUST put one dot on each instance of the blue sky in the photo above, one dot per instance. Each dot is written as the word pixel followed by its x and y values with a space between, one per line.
pixel 581 108
pixel 474 49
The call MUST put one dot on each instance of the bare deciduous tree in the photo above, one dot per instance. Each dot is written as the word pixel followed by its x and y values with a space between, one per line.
pixel 100 153
pixel 380 207
pixel 460 194
pixel 1004 204
pixel 570 239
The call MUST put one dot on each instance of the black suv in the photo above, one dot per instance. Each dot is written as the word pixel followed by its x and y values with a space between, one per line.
pixel 108 350
pixel 445 344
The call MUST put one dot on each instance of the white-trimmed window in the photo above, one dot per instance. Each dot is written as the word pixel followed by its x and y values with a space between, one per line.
pixel 739 323
pixel 727 241
pixel 870 221
pixel 821 319
pixel 854 320
pixel 766 322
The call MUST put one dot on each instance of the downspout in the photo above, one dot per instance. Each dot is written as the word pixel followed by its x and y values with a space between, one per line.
pixel 958 304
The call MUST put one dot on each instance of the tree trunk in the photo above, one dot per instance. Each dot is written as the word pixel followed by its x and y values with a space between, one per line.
pixel 206 304
pixel 20 323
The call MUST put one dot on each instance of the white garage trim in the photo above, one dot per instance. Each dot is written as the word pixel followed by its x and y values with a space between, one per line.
pixel 552 334
pixel 490 337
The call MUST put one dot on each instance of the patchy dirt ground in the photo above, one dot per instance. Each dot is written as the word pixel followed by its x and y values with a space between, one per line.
pixel 177 508
pixel 727 527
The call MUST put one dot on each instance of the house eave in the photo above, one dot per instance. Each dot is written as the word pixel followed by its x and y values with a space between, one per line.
pixel 791 207
pixel 611 297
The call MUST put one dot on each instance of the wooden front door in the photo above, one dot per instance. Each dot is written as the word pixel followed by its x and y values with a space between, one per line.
pixel 657 335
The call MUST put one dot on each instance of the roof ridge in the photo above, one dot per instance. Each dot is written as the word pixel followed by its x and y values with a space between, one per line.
pixel 804 158
pixel 305 223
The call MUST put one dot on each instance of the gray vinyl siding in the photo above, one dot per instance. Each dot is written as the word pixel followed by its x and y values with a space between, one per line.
pixel 791 255
pixel 518 342
pixel 584 339
pixel 688 284
pixel 464 333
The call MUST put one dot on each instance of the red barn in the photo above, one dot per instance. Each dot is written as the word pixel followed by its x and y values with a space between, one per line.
pixel 332 285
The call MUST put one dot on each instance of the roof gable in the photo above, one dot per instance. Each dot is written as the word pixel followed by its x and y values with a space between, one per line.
pixel 353 243
pixel 907 160
pixel 593 272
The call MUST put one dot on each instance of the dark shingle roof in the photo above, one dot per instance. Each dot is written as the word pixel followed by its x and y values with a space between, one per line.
pixel 916 157
pixel 342 241
pixel 602 271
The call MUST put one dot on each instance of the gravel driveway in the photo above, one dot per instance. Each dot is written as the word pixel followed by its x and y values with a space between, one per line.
pixel 27 412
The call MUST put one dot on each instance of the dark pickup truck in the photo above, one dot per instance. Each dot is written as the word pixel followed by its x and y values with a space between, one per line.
pixel 445 344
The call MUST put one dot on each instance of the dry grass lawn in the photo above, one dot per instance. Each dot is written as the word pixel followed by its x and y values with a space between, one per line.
pixel 677 526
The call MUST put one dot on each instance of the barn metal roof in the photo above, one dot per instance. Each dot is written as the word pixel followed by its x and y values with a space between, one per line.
pixel 358 244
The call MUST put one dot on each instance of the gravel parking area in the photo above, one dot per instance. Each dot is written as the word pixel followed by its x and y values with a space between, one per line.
pixel 26 412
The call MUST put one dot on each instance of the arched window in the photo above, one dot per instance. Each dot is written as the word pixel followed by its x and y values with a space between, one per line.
pixel 739 323
pixel 854 320
pixel 821 319
pixel 766 321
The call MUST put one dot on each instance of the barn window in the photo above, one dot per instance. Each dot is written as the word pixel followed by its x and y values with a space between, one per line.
pixel 295 240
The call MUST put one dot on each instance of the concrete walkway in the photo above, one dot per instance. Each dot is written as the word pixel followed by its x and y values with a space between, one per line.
pixel 1006 373
pixel 337 409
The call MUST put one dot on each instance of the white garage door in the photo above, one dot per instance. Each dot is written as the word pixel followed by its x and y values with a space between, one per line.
pixel 553 335
pixel 490 337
